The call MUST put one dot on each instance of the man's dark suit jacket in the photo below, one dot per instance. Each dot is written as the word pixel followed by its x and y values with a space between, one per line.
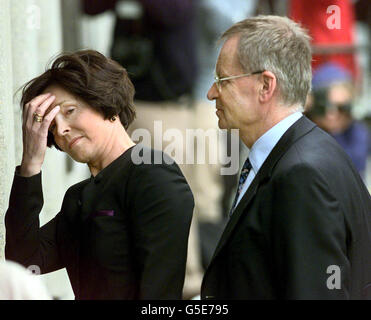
pixel 122 234
pixel 306 210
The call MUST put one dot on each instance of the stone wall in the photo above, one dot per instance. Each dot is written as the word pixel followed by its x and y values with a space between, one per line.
pixel 30 37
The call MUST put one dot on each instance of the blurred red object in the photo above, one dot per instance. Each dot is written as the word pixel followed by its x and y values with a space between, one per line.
pixel 331 24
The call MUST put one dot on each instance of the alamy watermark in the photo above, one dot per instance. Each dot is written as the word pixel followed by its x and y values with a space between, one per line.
pixel 333 281
pixel 194 146
pixel 34 269
pixel 334 20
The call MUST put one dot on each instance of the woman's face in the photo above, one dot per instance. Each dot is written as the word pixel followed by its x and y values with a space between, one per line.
pixel 78 129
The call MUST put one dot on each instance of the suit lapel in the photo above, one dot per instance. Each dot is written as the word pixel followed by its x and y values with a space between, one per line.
pixel 297 130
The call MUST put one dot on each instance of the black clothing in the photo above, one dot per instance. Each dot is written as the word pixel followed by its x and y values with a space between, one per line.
pixel 306 210
pixel 168 26
pixel 121 235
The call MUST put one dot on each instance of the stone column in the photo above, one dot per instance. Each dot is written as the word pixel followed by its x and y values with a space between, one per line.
pixel 50 32
pixel 71 24
pixel 25 24
pixel 7 149
pixel 35 38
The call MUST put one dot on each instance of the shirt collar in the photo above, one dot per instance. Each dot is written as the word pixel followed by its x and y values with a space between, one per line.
pixel 264 145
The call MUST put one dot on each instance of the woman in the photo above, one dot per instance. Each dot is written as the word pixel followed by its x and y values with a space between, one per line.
pixel 122 233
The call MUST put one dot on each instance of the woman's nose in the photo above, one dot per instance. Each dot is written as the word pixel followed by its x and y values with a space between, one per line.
pixel 62 127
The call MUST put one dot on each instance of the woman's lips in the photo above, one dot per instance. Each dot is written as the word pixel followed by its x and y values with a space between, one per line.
pixel 73 142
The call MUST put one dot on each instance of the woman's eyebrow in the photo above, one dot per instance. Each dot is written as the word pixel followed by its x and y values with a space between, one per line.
pixel 63 102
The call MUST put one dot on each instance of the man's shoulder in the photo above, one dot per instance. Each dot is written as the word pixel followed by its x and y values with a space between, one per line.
pixel 316 158
pixel 316 151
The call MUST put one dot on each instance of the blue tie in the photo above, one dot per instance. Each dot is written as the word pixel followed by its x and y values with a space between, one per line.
pixel 244 173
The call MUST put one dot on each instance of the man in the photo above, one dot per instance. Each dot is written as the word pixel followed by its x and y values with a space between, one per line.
pixel 300 227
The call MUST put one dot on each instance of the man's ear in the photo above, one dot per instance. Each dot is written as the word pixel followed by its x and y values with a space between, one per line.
pixel 268 86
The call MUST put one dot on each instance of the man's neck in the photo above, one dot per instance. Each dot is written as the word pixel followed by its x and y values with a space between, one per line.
pixel 250 134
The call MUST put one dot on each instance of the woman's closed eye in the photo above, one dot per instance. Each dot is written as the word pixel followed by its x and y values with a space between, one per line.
pixel 70 111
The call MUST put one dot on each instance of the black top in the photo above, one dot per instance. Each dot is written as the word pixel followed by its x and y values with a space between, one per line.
pixel 121 235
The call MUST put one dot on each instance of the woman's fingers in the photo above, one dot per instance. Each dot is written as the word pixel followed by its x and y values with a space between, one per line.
pixel 41 109
pixel 31 107
pixel 49 118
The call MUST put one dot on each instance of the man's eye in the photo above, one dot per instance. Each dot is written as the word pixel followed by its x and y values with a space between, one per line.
pixel 70 111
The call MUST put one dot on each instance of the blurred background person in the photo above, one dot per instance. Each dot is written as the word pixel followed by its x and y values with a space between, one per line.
pixel 352 134
pixel 331 109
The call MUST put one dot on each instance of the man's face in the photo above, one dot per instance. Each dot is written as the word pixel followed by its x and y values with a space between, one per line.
pixel 237 99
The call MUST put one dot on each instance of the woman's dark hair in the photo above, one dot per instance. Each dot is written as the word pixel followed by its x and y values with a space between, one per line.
pixel 87 74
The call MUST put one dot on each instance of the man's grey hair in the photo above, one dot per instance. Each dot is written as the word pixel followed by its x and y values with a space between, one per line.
pixel 279 45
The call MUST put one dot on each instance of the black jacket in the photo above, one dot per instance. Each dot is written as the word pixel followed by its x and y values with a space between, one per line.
pixel 306 210
pixel 121 235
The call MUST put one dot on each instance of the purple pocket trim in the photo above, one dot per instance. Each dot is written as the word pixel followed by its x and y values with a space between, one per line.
pixel 103 213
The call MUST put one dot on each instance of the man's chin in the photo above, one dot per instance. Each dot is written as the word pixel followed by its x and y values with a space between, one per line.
pixel 221 124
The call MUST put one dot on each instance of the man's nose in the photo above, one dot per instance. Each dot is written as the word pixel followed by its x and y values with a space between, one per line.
pixel 213 92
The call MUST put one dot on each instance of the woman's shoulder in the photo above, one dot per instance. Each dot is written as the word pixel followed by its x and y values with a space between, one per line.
pixel 154 163
pixel 77 187
pixel 155 175
pixel 145 157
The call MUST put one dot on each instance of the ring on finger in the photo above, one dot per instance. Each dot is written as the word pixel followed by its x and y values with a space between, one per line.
pixel 37 117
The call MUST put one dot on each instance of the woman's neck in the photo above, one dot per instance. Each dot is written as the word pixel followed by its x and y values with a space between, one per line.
pixel 117 144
